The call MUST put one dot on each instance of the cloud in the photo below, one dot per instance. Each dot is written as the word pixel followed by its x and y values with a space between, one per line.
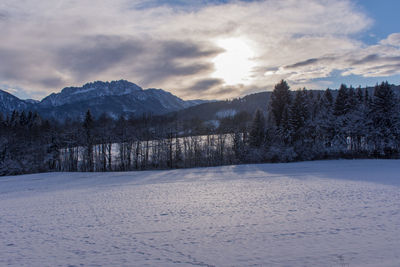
pixel 172 44
pixel 96 54
pixel 159 72
pixel 149 61
pixel 311 61
pixel 206 84
pixel 52 82
pixel 3 16
pixel 392 39
pixel 186 49
pixel 376 58
pixel 171 58
pixel 380 60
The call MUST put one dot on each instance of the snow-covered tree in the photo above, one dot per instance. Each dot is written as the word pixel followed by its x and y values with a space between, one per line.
pixel 280 101
pixel 257 130
pixel 384 114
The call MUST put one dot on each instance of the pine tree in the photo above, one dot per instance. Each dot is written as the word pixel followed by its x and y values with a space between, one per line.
pixel 384 119
pixel 360 94
pixel 328 97
pixel 257 131
pixel 298 115
pixel 342 103
pixel 14 120
pixel 325 123
pixel 356 120
pixel 302 124
pixel 280 100
pixel 23 120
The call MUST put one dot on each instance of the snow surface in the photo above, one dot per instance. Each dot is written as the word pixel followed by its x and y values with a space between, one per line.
pixel 323 213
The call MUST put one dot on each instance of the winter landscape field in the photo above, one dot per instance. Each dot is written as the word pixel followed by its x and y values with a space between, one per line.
pixel 323 213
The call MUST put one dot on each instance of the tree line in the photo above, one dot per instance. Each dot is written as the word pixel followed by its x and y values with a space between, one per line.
pixel 299 125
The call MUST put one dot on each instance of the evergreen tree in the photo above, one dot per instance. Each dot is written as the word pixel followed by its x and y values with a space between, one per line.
pixel 299 114
pixel 257 131
pixel 356 120
pixel 14 120
pixel 328 97
pixel 385 119
pixel 342 103
pixel 360 94
pixel 23 120
pixel 280 100
pixel 325 123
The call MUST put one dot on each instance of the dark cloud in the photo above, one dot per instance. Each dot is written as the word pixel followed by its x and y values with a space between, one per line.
pixel 147 61
pixel 389 68
pixel 20 65
pixel 181 4
pixel 235 90
pixel 375 58
pixel 308 62
pixel 367 59
pixel 230 90
pixel 215 89
pixel 261 69
pixel 185 50
pixel 225 91
pixel 15 64
pixel 151 60
pixel 303 63
pixel 52 82
pixel 96 54
pixel 3 16
pixel 175 58
pixel 206 84
pixel 160 71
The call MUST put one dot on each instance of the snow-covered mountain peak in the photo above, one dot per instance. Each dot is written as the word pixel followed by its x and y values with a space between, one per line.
pixel 8 102
pixel 114 98
pixel 90 91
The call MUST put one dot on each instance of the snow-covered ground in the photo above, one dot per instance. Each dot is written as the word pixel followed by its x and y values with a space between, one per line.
pixel 323 213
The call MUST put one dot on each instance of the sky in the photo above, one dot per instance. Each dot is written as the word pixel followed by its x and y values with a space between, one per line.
pixel 199 49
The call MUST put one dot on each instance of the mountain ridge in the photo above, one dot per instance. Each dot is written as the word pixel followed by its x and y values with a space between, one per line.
pixel 114 98
pixel 125 98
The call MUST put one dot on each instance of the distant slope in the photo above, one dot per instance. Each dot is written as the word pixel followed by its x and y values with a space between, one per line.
pixel 250 103
pixel 8 103
pixel 218 109
pixel 114 98
pixel 118 98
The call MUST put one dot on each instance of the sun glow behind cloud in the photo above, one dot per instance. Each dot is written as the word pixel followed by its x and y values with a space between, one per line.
pixel 234 65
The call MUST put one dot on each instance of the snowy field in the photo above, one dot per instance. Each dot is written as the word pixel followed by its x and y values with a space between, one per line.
pixel 324 213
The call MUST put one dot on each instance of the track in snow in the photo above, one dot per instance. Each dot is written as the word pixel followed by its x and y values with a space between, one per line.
pixel 323 213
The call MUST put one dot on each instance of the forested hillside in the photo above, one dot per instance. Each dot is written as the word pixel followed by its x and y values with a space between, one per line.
pixel 294 126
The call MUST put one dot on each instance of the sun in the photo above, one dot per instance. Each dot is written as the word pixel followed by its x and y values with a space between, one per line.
pixel 234 65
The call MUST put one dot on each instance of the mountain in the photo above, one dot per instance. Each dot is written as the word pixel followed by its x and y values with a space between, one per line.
pixel 114 98
pixel 121 97
pixel 8 103
pixel 90 91
pixel 220 109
